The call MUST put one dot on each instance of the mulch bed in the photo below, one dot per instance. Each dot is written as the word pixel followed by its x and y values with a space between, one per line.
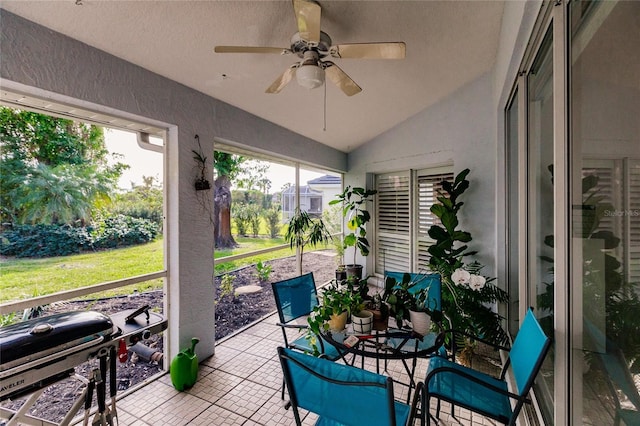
pixel 232 314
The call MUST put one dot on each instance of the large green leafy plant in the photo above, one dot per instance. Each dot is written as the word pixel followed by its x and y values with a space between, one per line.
pixel 354 203
pixel 467 295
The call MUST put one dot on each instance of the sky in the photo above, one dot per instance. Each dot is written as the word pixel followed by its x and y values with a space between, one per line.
pixel 148 163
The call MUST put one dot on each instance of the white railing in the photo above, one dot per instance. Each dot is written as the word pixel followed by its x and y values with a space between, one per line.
pixel 10 307
pixel 19 305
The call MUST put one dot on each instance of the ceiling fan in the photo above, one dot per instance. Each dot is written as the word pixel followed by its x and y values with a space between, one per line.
pixel 314 47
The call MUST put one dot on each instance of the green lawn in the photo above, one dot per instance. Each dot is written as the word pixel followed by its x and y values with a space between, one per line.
pixel 25 278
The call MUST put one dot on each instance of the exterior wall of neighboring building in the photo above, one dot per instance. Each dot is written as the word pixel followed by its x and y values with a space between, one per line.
pixel 310 202
pixel 314 197
pixel 329 189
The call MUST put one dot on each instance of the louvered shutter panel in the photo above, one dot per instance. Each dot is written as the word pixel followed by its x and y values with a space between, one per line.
pixel 633 218
pixel 427 188
pixel 393 236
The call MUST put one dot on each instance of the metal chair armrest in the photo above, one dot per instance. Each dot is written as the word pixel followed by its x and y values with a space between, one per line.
pixel 473 379
pixel 299 326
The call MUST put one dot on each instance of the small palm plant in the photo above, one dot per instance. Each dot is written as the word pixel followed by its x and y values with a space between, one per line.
pixel 303 231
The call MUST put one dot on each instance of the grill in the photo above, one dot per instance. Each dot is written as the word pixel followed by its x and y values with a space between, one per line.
pixel 37 353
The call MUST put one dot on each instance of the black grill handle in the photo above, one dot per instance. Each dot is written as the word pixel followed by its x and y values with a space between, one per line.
pixel 130 318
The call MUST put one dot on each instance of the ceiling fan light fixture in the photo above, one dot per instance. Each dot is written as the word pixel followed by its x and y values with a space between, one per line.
pixel 310 76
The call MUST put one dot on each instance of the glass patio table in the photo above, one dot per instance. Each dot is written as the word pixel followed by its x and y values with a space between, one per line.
pixel 393 344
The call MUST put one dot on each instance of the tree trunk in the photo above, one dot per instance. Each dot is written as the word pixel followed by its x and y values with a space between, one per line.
pixel 222 201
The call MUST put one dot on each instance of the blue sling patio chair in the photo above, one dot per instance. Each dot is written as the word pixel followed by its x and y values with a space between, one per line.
pixel 482 393
pixel 342 395
pixel 295 299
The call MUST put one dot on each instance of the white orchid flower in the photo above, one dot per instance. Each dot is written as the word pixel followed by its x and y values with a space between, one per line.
pixel 476 282
pixel 460 276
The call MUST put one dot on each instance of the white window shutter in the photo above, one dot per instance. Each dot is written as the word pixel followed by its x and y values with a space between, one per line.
pixel 393 220
pixel 403 218
pixel 427 188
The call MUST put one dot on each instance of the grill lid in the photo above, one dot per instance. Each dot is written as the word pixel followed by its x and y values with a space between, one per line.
pixel 36 338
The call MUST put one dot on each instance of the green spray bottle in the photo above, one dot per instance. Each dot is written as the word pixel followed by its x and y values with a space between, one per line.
pixel 184 367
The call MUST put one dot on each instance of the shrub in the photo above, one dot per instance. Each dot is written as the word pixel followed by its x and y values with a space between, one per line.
pixel 254 219
pixel 263 271
pixel 240 215
pixel 121 230
pixel 43 240
pixel 272 217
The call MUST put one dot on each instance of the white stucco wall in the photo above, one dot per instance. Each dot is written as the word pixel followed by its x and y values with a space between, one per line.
pixel 52 64
pixel 459 130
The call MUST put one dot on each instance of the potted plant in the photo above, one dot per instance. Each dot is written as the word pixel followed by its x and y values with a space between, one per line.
pixel 303 231
pixel 408 304
pixel 341 270
pixel 362 321
pixel 354 200
pixel 380 311
pixel 337 302
pixel 467 295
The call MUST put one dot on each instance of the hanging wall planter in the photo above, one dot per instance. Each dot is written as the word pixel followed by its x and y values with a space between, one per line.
pixel 201 183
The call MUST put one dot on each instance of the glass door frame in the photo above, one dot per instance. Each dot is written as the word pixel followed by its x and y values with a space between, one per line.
pixel 553 17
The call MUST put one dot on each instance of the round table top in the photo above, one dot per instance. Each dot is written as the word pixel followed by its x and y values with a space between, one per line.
pixel 389 344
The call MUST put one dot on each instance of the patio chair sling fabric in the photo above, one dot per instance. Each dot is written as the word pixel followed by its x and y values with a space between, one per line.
pixel 295 300
pixel 484 394
pixel 341 394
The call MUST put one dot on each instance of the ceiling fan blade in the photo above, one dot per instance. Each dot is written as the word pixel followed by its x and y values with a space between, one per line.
pixel 369 50
pixel 282 81
pixel 251 49
pixel 308 14
pixel 341 79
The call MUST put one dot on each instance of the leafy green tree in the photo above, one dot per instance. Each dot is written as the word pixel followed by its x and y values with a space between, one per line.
pixel 52 170
pixel 141 201
pixel 246 174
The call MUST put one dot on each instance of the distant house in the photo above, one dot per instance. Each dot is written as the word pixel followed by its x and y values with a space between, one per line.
pixel 314 197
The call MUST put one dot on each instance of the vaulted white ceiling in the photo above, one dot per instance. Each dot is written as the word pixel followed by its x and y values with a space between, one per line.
pixel 448 44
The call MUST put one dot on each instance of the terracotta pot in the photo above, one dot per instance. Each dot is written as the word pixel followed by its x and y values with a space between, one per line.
pixel 420 322
pixel 380 320
pixel 338 322
pixel 362 322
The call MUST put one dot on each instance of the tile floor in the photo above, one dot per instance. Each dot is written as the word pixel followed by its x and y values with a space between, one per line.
pixel 239 385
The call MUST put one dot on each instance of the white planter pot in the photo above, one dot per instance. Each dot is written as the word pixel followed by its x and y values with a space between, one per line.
pixel 420 322
pixel 362 322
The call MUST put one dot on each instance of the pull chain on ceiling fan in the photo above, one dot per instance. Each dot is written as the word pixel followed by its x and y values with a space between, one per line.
pixel 313 46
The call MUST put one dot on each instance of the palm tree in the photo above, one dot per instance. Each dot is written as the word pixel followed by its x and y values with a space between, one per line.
pixel 60 194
